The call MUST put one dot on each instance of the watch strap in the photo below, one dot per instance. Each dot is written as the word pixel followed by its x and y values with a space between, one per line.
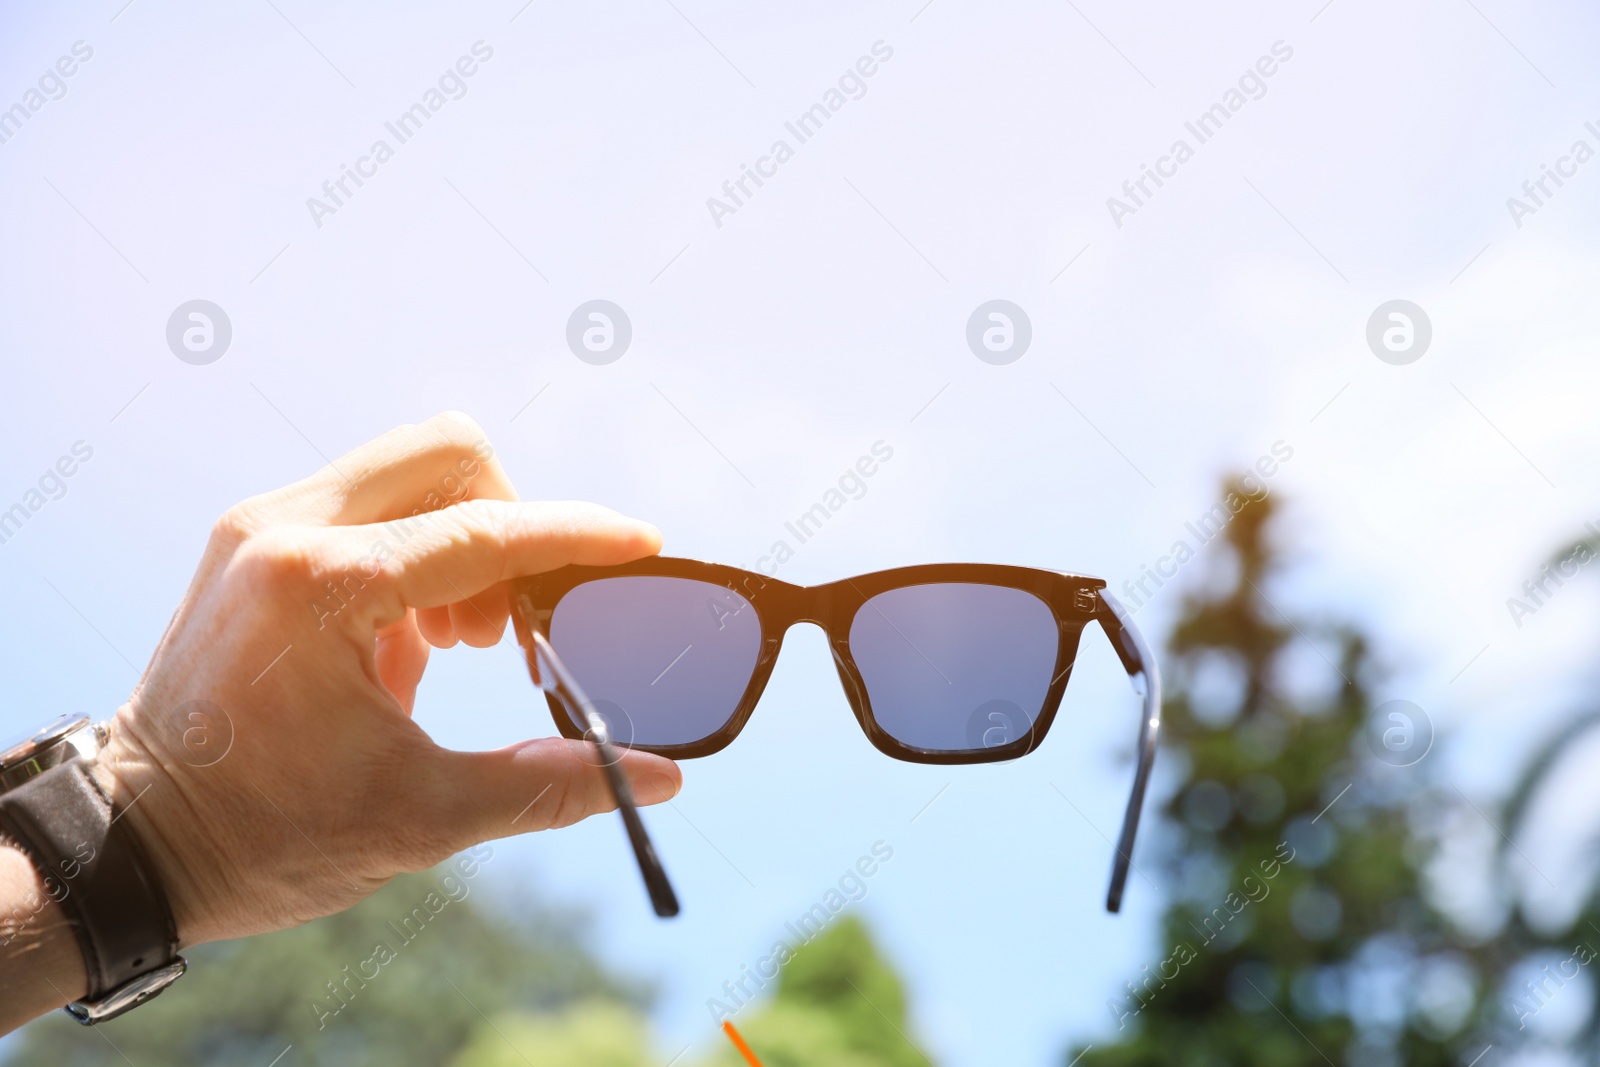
pixel 96 870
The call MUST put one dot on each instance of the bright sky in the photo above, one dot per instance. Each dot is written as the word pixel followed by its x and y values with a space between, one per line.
pixel 774 344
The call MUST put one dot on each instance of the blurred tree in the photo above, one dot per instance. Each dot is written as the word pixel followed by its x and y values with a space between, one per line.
pixel 450 962
pixel 1540 959
pixel 1546 958
pixel 593 1034
pixel 1298 931
pixel 837 1004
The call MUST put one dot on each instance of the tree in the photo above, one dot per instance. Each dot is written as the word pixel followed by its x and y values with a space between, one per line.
pixel 838 1003
pixel 450 958
pixel 1299 930
pixel 1537 961
pixel 596 1033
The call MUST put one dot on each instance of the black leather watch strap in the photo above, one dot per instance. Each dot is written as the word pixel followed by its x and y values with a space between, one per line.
pixel 96 870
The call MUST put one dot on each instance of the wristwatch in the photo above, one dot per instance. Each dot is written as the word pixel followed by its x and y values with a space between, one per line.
pixel 92 864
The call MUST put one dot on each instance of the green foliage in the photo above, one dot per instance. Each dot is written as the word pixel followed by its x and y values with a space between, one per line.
pixel 787 1034
pixel 838 1002
pixel 243 1002
pixel 1296 931
pixel 594 1034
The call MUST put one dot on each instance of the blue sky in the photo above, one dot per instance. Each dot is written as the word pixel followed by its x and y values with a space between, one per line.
pixel 774 345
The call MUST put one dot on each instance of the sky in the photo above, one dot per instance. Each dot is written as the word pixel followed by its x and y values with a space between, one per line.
pixel 1176 332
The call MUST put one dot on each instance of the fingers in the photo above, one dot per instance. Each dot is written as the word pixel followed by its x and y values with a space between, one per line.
pixel 410 469
pixel 452 556
pixel 401 655
pixel 538 785
pixel 435 625
pixel 480 620
pixel 405 476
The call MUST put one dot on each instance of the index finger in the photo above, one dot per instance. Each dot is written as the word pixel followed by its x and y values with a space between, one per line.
pixel 447 556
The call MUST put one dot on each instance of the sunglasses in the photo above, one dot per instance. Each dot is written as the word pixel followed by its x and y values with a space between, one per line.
pixel 941 663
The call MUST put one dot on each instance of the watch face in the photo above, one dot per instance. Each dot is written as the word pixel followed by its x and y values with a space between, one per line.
pixel 16 750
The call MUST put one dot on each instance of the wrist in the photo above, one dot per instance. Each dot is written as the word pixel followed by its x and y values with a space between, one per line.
pixel 150 803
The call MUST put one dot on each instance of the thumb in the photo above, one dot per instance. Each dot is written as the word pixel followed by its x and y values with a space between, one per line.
pixel 541 784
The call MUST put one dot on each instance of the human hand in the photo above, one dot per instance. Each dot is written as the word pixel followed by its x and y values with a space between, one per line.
pixel 267 758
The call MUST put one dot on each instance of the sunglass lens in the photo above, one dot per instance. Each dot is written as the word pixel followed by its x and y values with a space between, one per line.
pixel 664 659
pixel 954 666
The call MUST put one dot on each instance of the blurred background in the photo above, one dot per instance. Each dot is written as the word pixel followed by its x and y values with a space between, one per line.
pixel 1368 270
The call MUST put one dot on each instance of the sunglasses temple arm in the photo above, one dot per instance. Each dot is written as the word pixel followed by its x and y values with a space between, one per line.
pixel 662 897
pixel 1140 662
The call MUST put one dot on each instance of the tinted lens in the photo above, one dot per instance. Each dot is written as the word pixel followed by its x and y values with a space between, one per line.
pixel 953 666
pixel 665 660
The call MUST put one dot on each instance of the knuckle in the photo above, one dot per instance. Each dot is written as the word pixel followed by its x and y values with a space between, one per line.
pixel 456 449
pixel 574 798
pixel 491 531
pixel 237 524
pixel 567 810
pixel 456 429
pixel 277 558
pixel 479 523
pixel 481 515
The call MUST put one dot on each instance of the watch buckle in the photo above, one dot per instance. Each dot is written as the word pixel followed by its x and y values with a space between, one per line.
pixel 127 996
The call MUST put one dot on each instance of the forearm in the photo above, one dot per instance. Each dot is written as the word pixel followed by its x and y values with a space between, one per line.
pixel 41 966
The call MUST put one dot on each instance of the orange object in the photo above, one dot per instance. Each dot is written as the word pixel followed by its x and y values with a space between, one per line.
pixel 738 1043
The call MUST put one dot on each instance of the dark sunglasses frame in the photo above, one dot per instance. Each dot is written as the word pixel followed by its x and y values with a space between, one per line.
pixel 1074 600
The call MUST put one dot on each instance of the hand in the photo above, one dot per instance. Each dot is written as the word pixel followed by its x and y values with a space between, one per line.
pixel 267 758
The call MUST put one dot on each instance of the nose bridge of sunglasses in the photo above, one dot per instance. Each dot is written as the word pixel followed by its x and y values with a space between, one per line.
pixel 784 604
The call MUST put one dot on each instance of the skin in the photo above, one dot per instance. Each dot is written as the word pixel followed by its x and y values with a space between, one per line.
pixel 317 787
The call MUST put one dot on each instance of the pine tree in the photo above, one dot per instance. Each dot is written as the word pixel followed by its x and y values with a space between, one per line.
pixel 1298 931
